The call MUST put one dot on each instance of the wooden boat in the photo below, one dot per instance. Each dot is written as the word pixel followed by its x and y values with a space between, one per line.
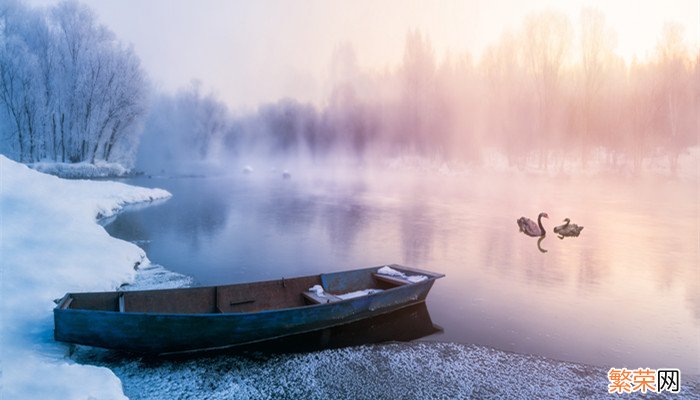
pixel 205 318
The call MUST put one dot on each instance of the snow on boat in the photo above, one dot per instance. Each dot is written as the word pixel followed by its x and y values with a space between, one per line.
pixel 205 318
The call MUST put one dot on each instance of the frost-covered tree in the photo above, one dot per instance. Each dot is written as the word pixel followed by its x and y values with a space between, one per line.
pixel 547 40
pixel 597 42
pixel 418 72
pixel 511 114
pixel 69 91
pixel 673 94
pixel 18 85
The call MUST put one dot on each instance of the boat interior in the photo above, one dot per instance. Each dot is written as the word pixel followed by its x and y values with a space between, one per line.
pixel 236 298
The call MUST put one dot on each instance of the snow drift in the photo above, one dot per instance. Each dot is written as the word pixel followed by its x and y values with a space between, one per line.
pixel 50 245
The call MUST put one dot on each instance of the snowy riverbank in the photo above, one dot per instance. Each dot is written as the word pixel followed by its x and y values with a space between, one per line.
pixel 51 244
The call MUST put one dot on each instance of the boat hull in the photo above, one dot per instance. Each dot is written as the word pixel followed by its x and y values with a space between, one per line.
pixel 158 333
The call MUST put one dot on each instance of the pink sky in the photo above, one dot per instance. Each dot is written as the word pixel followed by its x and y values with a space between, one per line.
pixel 251 52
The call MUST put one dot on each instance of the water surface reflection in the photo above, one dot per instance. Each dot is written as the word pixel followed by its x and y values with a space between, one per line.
pixel 623 293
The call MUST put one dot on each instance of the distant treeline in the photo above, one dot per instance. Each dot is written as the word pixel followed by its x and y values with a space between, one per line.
pixel 538 95
pixel 69 91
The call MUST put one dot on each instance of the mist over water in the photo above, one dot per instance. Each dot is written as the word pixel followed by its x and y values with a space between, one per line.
pixel 624 293
pixel 540 98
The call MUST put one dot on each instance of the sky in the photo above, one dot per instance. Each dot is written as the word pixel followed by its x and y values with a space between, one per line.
pixel 249 52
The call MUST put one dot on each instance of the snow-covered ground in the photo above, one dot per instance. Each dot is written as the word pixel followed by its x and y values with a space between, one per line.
pixel 51 244
pixel 417 370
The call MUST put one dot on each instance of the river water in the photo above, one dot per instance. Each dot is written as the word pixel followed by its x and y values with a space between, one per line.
pixel 626 293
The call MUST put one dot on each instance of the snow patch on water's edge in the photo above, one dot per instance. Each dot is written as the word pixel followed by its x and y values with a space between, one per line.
pixel 154 276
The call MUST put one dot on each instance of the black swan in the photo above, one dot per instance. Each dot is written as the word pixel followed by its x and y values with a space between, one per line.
pixel 530 228
pixel 568 229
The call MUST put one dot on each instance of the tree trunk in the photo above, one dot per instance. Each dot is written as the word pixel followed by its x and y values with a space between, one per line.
pixel 20 139
pixel 112 140
pixel 63 138
pixel 30 132
pixel 99 139
pixel 53 137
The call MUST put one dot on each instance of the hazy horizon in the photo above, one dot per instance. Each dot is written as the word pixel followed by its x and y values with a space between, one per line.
pixel 260 52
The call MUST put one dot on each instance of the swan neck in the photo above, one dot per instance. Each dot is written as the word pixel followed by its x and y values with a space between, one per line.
pixel 539 222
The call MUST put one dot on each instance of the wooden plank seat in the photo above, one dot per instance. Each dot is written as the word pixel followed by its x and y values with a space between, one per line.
pixel 313 298
pixel 394 280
